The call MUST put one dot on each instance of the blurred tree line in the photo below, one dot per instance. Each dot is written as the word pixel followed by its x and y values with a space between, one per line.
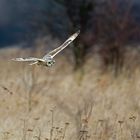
pixel 109 23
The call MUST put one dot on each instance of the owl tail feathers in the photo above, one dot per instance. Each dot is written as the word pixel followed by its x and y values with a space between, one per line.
pixel 33 63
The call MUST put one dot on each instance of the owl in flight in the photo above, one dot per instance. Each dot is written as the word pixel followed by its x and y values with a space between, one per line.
pixel 48 59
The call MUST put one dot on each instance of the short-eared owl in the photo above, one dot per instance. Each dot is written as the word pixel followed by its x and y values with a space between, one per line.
pixel 48 59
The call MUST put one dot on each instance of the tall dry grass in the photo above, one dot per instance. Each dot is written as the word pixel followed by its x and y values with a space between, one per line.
pixel 39 103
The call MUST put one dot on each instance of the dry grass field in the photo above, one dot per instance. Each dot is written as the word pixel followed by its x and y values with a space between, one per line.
pixel 38 103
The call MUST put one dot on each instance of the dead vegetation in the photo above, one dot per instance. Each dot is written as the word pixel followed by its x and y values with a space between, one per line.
pixel 58 103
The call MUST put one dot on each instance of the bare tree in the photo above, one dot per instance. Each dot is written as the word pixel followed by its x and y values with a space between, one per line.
pixel 80 15
pixel 115 27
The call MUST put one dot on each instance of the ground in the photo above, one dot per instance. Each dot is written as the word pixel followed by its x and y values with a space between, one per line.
pixel 59 103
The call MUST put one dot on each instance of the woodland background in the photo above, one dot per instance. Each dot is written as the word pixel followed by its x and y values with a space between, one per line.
pixel 92 92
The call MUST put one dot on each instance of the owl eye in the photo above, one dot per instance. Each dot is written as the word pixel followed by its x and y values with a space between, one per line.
pixel 49 62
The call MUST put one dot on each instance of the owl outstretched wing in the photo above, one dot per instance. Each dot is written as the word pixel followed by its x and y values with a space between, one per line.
pixel 63 46
pixel 26 59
